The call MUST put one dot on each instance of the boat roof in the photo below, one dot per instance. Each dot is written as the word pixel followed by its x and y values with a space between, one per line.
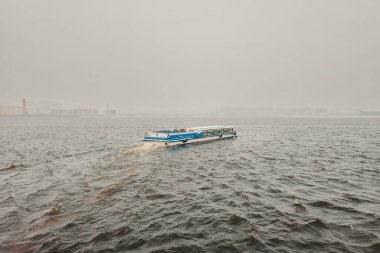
pixel 203 128
pixel 210 127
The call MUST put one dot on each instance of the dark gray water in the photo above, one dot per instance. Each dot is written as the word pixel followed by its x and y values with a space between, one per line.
pixel 284 185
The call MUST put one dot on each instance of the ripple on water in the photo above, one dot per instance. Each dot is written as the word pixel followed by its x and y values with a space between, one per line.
pixel 285 185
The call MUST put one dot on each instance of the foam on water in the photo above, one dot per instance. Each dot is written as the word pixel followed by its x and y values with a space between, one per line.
pixel 143 148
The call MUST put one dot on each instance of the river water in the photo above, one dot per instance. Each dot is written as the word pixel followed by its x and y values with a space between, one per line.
pixel 284 185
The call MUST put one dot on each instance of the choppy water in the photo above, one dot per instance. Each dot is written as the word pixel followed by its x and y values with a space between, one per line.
pixel 284 185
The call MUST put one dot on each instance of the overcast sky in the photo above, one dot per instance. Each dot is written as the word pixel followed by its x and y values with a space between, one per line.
pixel 184 56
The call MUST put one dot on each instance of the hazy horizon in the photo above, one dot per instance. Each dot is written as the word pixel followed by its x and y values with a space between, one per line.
pixel 189 57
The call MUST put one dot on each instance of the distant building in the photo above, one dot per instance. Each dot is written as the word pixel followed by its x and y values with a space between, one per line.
pixel 369 113
pixel 74 112
pixel 111 112
pixel 10 110
pixel 14 110
pixel 41 107
pixel 108 111
pixel 24 110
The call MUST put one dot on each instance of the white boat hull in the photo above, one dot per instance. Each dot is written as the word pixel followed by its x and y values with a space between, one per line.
pixel 198 140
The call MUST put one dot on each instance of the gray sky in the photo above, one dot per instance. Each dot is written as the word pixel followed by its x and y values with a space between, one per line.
pixel 183 56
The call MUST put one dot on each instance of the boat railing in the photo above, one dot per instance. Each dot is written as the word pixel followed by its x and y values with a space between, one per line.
pixel 156 134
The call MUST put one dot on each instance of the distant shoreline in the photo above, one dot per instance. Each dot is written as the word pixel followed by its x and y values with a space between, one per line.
pixel 185 116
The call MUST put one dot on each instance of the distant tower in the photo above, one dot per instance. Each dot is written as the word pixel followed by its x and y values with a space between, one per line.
pixel 24 111
pixel 107 111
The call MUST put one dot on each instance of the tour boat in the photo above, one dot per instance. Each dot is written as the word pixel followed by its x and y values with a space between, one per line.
pixel 170 137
